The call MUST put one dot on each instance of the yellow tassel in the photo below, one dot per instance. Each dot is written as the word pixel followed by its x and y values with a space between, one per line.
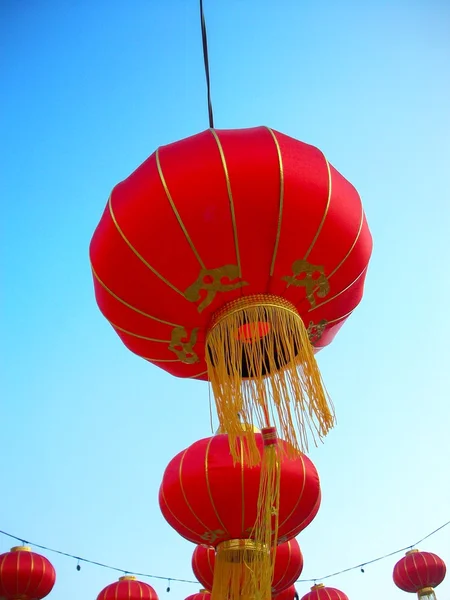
pixel 235 571
pixel 261 366
pixel 265 531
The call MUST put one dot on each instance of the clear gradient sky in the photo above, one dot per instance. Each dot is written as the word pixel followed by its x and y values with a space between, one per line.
pixel 89 89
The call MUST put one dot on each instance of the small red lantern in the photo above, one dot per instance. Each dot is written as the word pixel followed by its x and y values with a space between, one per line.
pixel 201 595
pixel 289 593
pixel 207 497
pixel 25 575
pixel 128 588
pixel 287 567
pixel 321 592
pixel 419 572
pixel 203 561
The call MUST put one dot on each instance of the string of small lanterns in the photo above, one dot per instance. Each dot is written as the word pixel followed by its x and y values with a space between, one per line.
pixel 80 560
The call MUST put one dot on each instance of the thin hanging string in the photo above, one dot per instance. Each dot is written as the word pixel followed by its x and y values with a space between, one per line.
pixel 205 58
pixel 79 559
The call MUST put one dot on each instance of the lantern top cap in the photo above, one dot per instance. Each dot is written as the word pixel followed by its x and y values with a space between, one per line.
pixel 203 591
pixel 21 549
pixel 413 551
pixel 317 586
pixel 127 578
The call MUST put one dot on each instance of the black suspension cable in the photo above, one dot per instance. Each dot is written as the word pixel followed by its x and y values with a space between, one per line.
pixel 205 58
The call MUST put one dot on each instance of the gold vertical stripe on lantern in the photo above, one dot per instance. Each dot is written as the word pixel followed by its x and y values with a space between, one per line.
pixel 260 364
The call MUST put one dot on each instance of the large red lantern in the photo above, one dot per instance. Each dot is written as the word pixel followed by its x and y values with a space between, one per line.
pixel 25 575
pixel 232 256
pixel 201 595
pixel 208 498
pixel 288 565
pixel 128 588
pixel 419 572
pixel 289 593
pixel 322 592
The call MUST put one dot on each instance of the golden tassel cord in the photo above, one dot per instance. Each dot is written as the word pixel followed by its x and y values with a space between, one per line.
pixel 235 571
pixel 261 365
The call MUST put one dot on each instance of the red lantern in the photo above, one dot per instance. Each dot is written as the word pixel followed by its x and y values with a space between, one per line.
pixel 419 572
pixel 233 256
pixel 321 592
pixel 287 568
pixel 25 575
pixel 207 497
pixel 289 593
pixel 203 561
pixel 201 595
pixel 128 588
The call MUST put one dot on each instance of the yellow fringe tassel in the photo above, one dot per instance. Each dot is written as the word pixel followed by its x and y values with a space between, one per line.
pixel 261 365
pixel 238 562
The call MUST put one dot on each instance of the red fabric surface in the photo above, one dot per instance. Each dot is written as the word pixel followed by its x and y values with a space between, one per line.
pixel 325 593
pixel 287 569
pixel 200 596
pixel 25 574
pixel 419 570
pixel 128 590
pixel 208 499
pixel 287 594
pixel 322 222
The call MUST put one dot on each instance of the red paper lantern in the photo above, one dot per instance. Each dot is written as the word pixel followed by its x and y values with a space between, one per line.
pixel 239 239
pixel 321 592
pixel 201 595
pixel 287 568
pixel 208 498
pixel 25 575
pixel 128 588
pixel 203 561
pixel 419 572
pixel 289 593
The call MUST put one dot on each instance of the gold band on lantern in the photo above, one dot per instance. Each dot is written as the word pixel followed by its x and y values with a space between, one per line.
pixel 127 578
pixel 236 570
pixel 411 552
pixel 428 591
pixel 263 300
pixel 317 586
pixel 21 549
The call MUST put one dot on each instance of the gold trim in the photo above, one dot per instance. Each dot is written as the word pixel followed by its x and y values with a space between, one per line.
pixel 426 591
pixel 160 360
pixel 133 249
pixel 198 375
pixel 130 306
pixel 209 487
pixel 341 292
pixel 317 586
pixel 175 211
pixel 351 247
pixel 230 198
pixel 21 549
pixel 281 201
pixel 136 335
pixel 128 578
pixel 413 551
pixel 254 300
pixel 196 533
pixel 242 544
pixel 324 216
pixel 300 495
pixel 186 501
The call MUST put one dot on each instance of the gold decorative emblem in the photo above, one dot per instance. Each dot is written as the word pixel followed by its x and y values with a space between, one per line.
pixel 212 281
pixel 212 536
pixel 315 330
pixel 183 346
pixel 311 277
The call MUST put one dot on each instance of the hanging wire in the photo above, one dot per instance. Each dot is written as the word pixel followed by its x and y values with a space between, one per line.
pixel 206 61
pixel 170 579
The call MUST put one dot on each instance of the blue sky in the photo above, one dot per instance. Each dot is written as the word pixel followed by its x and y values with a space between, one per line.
pixel 89 90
